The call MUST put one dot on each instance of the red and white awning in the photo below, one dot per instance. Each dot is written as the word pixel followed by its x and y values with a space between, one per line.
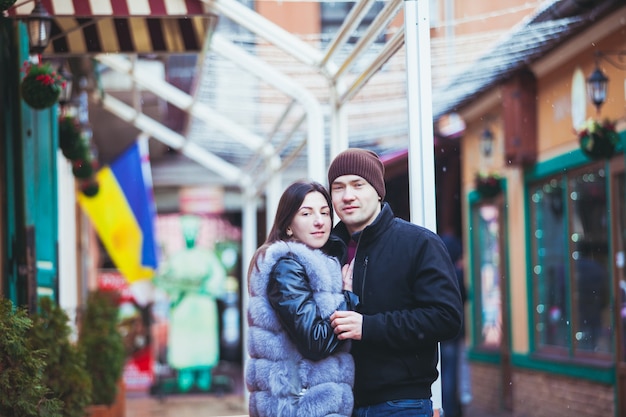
pixel 124 26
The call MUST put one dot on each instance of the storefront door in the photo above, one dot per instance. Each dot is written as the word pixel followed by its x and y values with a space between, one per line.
pixel 489 263
pixel 28 160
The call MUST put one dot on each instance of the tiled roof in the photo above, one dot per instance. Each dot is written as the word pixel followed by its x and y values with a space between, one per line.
pixel 531 40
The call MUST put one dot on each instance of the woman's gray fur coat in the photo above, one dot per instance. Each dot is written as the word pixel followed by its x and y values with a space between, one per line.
pixel 281 382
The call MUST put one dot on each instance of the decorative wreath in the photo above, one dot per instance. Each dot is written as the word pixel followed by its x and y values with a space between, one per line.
pixel 598 140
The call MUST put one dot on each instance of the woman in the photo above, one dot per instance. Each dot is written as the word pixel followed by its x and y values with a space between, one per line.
pixel 297 366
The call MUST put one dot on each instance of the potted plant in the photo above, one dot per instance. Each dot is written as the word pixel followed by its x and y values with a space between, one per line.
pixel 488 185
pixel 103 345
pixel 41 86
pixel 64 372
pixel 598 140
pixel 23 392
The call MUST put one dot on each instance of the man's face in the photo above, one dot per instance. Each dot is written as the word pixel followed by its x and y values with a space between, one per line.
pixel 355 201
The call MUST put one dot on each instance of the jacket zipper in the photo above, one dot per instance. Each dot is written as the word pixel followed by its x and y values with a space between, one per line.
pixel 356 251
pixel 363 280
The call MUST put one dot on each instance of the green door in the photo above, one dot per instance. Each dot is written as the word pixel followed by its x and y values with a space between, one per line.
pixel 31 184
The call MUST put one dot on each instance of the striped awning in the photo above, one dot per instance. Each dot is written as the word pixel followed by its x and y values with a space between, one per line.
pixel 84 27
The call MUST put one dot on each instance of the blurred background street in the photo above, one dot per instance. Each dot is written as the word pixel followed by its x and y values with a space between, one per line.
pixel 144 146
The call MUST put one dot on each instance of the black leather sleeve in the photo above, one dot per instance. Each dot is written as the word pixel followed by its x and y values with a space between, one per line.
pixel 351 300
pixel 291 297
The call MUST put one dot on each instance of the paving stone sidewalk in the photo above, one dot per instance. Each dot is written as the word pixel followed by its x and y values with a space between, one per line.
pixel 225 403
pixel 212 405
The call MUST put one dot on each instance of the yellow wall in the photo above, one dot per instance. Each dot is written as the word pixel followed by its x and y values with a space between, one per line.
pixel 554 105
pixel 555 99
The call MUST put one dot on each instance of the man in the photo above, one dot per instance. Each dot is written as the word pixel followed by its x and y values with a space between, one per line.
pixel 406 282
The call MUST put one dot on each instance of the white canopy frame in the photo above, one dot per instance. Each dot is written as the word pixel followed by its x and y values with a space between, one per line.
pixel 415 36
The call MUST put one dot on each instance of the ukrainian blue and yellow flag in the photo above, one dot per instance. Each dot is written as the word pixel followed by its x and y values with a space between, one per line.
pixel 123 213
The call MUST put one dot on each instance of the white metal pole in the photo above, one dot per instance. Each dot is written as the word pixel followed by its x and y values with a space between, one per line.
pixel 248 247
pixel 421 156
pixel 420 117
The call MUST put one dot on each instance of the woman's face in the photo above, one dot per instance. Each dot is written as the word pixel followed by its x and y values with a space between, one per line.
pixel 312 223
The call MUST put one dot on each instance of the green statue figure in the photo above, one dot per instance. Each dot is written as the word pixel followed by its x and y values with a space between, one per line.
pixel 194 278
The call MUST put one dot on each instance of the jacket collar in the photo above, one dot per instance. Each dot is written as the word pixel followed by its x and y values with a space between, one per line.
pixel 381 223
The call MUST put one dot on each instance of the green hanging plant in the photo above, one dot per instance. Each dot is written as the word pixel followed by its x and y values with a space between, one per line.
pixel 71 141
pixel 488 185
pixel 6 4
pixel 598 140
pixel 75 148
pixel 41 86
pixel 89 187
pixel 83 168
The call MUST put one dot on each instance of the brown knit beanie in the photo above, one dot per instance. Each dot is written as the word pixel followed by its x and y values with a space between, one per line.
pixel 362 162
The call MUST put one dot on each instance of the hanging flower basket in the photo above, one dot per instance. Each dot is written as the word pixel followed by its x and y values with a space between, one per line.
pixel 488 185
pixel 6 4
pixel 598 140
pixel 41 86
pixel 71 141
pixel 83 168
pixel 76 148
pixel 89 187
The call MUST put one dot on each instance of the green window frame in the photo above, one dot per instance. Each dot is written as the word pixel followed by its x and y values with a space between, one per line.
pixel 569 239
pixel 488 272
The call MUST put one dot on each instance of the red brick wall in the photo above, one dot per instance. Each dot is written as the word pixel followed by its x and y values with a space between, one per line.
pixel 537 394
pixel 486 386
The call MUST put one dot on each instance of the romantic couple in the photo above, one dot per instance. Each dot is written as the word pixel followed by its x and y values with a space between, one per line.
pixel 346 321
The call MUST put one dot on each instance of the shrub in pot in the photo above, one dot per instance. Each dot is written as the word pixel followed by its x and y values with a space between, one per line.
pixel 103 345
pixel 64 373
pixel 22 389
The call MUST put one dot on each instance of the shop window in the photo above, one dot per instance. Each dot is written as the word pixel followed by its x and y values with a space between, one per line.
pixel 488 273
pixel 570 263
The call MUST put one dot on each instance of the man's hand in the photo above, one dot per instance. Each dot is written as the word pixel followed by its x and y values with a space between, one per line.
pixel 347 324
pixel 346 272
